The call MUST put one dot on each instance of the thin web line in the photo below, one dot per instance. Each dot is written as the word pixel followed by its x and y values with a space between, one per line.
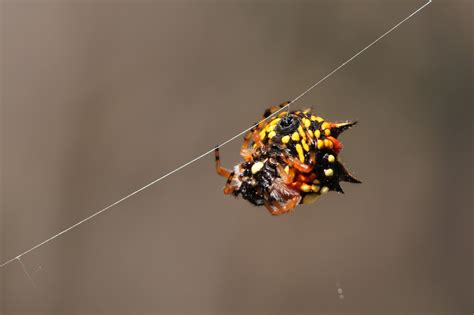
pixel 23 267
pixel 360 52
pixel 17 257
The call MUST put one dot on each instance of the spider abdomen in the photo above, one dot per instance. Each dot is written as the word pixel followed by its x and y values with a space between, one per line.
pixel 291 158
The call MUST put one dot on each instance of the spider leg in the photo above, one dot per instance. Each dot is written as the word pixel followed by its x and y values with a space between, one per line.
pixel 222 171
pixel 269 111
pixel 277 208
pixel 256 139
pixel 244 150
pixel 229 188
pixel 300 166
pixel 311 139
pixel 308 178
pixel 286 177
pixel 253 134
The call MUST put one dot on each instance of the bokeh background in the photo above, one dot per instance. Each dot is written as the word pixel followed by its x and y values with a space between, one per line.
pixel 101 97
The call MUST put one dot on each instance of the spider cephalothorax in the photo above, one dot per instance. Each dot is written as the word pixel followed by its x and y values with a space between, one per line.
pixel 293 159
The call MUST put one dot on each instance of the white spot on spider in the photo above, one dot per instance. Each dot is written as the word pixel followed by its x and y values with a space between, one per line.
pixel 324 190
pixel 257 167
pixel 328 172
pixel 236 182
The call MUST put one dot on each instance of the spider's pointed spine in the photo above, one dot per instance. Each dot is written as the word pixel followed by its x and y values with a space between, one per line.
pixel 345 176
pixel 337 187
pixel 339 128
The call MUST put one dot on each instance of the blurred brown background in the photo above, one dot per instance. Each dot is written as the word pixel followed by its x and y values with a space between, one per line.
pixel 102 97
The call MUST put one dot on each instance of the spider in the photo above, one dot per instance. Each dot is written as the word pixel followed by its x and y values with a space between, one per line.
pixel 289 159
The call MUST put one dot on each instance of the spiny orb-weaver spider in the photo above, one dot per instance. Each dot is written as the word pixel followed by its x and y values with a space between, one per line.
pixel 290 159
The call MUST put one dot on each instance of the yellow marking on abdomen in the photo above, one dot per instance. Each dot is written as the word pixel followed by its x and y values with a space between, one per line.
pixel 320 144
pixel 295 136
pixel 305 188
pixel 271 128
pixel 328 143
pixel 299 149
pixel 274 121
pixel 306 122
pixel 301 132
pixel 305 145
